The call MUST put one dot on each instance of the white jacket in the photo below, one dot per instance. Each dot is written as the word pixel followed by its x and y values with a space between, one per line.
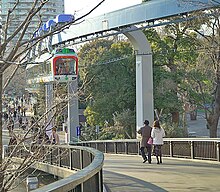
pixel 157 134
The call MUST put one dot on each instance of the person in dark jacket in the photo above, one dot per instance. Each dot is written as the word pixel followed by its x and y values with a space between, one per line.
pixel 145 132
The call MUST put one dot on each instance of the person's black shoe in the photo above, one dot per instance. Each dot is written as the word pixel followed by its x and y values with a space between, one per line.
pixel 145 161
pixel 149 162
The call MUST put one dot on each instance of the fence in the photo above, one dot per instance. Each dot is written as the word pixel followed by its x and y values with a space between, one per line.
pixel 193 148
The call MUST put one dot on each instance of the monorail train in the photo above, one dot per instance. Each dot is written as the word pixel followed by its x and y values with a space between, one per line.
pixel 61 67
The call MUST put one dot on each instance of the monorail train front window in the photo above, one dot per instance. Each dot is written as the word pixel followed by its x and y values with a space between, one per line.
pixel 65 66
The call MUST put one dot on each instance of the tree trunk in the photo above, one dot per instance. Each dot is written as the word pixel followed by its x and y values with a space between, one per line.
pixel 212 123
pixel 213 118
pixel 133 134
pixel 1 128
pixel 175 117
pixel 193 115
pixel 184 124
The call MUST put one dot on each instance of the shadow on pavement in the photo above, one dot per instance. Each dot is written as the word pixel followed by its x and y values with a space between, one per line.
pixel 123 183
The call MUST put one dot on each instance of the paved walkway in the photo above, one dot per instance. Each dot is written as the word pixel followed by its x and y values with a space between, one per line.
pixel 128 174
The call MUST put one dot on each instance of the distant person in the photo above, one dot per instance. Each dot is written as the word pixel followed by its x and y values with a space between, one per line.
pixel 16 103
pixel 32 121
pixel 61 70
pixel 12 141
pixel 26 122
pixel 14 114
pixel 54 137
pixel 23 126
pixel 46 138
pixel 20 120
pixel 43 138
pixel 19 109
pixel 157 134
pixel 24 111
pixel 10 125
pixel 6 116
pixel 145 132
pixel 35 109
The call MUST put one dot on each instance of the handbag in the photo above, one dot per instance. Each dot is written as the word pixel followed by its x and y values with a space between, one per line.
pixel 150 141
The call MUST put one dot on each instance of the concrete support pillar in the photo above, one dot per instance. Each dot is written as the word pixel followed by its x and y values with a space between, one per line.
pixel 49 103
pixel 73 114
pixel 144 77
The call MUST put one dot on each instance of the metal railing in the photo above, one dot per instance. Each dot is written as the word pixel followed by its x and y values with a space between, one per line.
pixel 87 160
pixel 191 148
pixel 83 165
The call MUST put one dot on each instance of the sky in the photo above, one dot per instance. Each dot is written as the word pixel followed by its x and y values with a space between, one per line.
pixel 80 7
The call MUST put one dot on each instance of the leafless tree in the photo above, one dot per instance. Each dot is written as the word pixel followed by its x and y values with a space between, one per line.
pixel 211 43
pixel 18 56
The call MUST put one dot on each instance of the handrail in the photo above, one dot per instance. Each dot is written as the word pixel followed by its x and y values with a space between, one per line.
pixel 71 182
pixel 165 139
pixel 81 166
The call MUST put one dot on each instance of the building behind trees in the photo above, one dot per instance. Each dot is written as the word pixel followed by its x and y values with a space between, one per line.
pixel 49 11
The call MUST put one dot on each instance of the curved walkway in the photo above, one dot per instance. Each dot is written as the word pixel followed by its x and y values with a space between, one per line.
pixel 126 173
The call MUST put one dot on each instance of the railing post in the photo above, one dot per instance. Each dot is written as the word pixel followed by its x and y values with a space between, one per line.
pixel 51 156
pixel 59 156
pixel 71 159
pixel 126 147
pixel 80 187
pixel 105 147
pixel 171 148
pixel 192 150
pixel 115 148
pixel 81 159
pixel 101 181
pixel 138 147
pixel 218 151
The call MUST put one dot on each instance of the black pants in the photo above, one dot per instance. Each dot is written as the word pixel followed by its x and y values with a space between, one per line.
pixel 149 149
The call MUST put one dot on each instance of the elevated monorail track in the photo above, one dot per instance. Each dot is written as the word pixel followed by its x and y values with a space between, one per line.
pixel 145 15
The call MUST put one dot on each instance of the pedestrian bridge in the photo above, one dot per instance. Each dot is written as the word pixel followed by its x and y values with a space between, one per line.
pixel 188 165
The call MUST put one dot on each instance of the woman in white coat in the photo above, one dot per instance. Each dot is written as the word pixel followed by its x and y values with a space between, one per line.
pixel 157 134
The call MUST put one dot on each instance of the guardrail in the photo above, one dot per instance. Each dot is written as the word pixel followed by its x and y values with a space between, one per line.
pixel 86 165
pixel 193 148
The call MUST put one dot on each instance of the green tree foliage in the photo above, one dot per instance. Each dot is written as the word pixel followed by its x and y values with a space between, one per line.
pixel 124 126
pixel 88 133
pixel 109 84
pixel 173 130
pixel 126 121
pixel 174 52
pixel 186 58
